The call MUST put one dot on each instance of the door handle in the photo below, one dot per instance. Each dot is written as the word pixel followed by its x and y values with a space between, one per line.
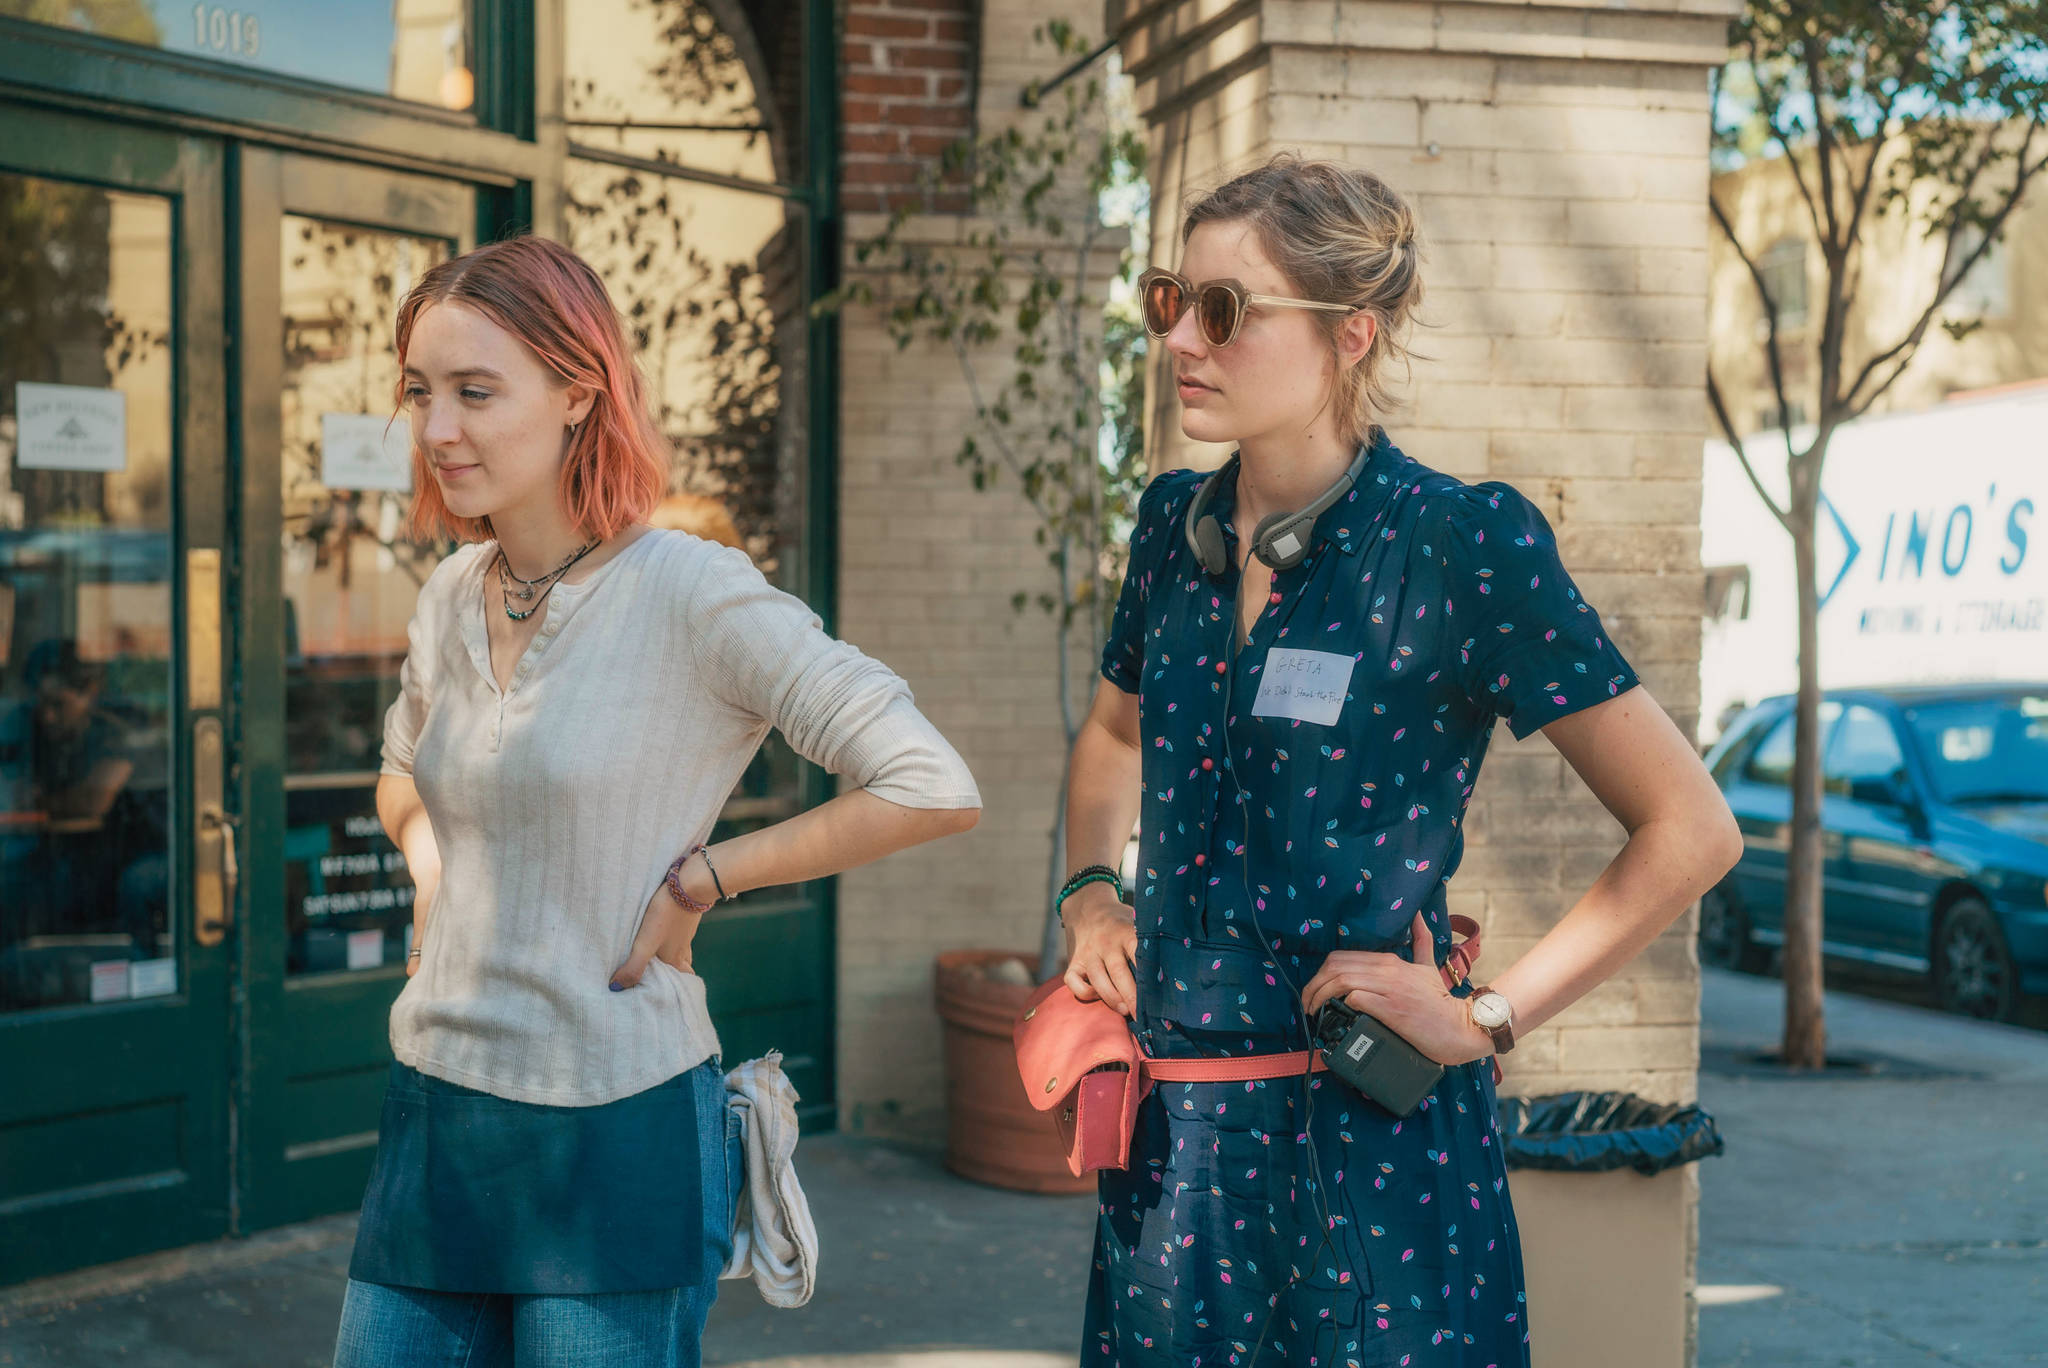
pixel 216 871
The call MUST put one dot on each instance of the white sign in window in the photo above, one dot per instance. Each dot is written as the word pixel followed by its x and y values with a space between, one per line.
pixel 363 451
pixel 70 427
pixel 110 981
pixel 366 948
pixel 152 977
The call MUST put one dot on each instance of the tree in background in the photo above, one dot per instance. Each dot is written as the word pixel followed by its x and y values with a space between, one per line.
pixel 1926 113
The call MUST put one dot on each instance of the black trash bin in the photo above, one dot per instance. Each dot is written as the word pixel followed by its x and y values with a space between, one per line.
pixel 1593 1132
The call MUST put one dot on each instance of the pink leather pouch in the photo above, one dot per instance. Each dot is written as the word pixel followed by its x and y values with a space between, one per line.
pixel 1079 1061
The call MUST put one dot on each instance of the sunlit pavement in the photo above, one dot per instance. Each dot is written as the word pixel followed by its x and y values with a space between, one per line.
pixel 1892 1216
pixel 1897 1216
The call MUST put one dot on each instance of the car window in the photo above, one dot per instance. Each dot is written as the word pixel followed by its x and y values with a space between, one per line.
pixel 1771 761
pixel 1985 750
pixel 1864 747
pixel 1736 753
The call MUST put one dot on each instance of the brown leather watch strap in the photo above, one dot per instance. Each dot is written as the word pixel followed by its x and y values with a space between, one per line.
pixel 1503 1036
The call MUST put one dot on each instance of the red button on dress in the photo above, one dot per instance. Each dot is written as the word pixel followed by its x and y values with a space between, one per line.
pixel 1207 763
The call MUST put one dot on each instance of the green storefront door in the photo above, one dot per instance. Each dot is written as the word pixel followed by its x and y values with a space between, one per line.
pixel 205 585
pixel 329 578
pixel 115 890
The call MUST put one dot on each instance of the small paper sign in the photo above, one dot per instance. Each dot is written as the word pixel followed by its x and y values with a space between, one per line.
pixel 366 948
pixel 110 981
pixel 1309 685
pixel 70 427
pixel 363 451
pixel 152 977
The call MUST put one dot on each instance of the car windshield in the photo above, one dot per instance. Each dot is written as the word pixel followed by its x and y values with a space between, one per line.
pixel 1986 750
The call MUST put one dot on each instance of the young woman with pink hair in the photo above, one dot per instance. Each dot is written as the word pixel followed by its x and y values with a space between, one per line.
pixel 581 693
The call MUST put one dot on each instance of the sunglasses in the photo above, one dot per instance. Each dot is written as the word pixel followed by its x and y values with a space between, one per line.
pixel 1220 305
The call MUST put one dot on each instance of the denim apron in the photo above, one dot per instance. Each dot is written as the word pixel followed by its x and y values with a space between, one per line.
pixel 476 1193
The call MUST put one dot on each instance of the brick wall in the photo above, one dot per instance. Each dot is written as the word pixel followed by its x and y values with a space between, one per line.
pixel 928 565
pixel 907 93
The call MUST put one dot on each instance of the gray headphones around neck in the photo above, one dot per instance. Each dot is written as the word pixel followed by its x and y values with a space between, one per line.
pixel 1281 540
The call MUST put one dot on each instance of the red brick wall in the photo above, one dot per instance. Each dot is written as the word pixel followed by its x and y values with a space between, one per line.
pixel 907 94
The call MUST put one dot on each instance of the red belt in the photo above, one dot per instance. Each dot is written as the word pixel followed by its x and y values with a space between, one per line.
pixel 1080 1061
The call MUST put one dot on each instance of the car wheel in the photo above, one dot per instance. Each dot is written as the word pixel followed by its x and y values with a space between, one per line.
pixel 1724 934
pixel 1973 971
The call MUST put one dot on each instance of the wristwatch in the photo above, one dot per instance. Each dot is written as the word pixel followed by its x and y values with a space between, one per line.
pixel 1491 1013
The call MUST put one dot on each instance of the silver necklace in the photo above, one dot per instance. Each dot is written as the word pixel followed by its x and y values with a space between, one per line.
pixel 532 592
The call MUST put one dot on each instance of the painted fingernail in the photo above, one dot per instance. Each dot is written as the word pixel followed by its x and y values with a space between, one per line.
pixel 618 987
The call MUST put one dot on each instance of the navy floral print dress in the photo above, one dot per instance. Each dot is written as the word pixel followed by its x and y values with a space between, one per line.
pixel 1291 1222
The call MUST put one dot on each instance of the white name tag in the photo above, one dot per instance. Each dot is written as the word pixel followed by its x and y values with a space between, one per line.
pixel 1306 685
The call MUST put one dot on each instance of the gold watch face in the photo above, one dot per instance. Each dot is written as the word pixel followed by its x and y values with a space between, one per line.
pixel 1490 1011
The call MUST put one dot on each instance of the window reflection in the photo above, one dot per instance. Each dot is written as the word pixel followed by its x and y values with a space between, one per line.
pixel 85 594
pixel 351 578
pixel 683 81
pixel 417 50
pixel 710 282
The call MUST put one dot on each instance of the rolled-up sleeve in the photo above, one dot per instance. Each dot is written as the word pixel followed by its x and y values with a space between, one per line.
pixel 765 653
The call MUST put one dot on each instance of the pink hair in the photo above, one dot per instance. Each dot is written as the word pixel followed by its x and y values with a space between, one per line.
pixel 545 295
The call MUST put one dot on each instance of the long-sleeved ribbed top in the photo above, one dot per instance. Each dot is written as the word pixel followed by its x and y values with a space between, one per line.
pixel 559 802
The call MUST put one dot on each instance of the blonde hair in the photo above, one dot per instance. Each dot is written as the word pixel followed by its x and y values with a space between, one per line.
pixel 1342 236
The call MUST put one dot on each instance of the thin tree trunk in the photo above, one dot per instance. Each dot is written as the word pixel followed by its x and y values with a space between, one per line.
pixel 1805 1045
pixel 1052 941
pixel 1052 947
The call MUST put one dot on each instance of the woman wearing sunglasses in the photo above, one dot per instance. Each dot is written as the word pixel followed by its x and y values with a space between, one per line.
pixel 1308 658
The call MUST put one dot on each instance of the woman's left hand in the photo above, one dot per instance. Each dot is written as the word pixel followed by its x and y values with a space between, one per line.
pixel 1409 997
pixel 666 930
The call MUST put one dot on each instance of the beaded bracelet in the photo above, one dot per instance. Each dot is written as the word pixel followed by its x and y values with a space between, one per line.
pixel 1093 874
pixel 674 881
pixel 1096 869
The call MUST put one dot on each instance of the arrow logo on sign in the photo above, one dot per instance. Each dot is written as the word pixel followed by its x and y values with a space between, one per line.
pixel 1852 546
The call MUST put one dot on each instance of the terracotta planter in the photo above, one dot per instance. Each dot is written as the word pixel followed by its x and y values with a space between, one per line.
pixel 993 1135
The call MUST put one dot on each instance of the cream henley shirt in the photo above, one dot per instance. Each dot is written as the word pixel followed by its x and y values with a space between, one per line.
pixel 559 802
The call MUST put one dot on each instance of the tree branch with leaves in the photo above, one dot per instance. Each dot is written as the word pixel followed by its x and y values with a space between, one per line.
pixel 1048 362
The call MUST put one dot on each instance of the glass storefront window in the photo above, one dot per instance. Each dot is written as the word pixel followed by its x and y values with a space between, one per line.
pixel 711 279
pixel 86 666
pixel 689 82
pixel 351 577
pixel 416 50
pixel 710 282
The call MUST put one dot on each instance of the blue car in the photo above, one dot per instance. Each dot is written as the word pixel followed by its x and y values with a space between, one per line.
pixel 1935 837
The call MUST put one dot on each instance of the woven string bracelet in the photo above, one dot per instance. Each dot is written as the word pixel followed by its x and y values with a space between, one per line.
pixel 674 880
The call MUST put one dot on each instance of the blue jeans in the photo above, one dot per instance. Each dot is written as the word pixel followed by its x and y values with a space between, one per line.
pixel 409 1327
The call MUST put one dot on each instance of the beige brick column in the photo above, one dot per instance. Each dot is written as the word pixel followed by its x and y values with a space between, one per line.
pixel 1558 157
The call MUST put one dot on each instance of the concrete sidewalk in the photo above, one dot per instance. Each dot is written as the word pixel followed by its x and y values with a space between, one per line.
pixel 1886 1218
pixel 1895 1217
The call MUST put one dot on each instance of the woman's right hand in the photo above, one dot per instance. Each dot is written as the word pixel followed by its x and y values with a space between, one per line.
pixel 1102 948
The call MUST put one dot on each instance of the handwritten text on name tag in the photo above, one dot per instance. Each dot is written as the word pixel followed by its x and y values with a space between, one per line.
pixel 1307 685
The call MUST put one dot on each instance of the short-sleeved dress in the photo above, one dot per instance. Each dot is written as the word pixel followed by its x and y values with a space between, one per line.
pixel 1292 1220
